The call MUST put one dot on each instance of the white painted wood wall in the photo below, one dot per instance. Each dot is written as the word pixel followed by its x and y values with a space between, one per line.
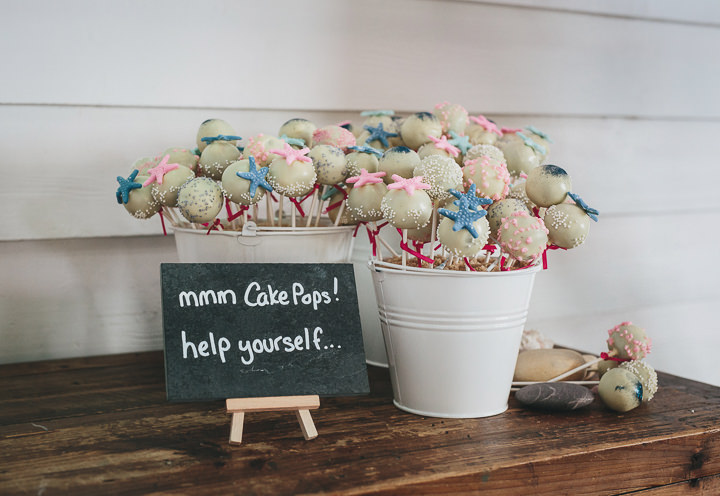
pixel 629 91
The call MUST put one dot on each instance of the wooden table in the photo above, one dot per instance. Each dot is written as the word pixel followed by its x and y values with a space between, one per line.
pixel 102 425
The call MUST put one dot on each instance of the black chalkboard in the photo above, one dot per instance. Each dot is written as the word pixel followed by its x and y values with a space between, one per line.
pixel 250 330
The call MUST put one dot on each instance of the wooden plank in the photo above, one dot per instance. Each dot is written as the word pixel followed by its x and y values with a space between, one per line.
pixel 367 446
pixel 272 403
pixel 700 485
pixel 580 65
pixel 617 165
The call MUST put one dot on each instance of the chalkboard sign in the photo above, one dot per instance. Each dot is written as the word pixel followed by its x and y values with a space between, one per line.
pixel 250 330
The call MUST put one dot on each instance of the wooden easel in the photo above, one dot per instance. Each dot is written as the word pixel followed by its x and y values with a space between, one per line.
pixel 302 404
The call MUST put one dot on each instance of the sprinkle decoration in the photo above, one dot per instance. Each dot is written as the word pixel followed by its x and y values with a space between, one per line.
pixel 591 212
pixel 529 142
pixel 256 177
pixel 292 141
pixel 409 184
pixel 487 124
pixel 412 252
pixel 379 133
pixel 220 137
pixel 126 185
pixel 366 177
pixel 366 149
pixel 442 143
pixel 469 200
pixel 376 113
pixel 539 133
pixel 292 155
pixel 464 218
pixel 158 172
pixel 461 142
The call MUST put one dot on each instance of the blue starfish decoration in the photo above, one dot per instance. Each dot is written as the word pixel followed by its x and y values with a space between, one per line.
pixel 367 149
pixel 591 212
pixel 293 141
pixel 469 200
pixel 219 137
pixel 378 133
pixel 126 185
pixel 376 113
pixel 529 142
pixel 463 218
pixel 256 177
pixel 462 142
pixel 539 133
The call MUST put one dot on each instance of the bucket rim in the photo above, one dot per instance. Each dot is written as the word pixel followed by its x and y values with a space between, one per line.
pixel 390 268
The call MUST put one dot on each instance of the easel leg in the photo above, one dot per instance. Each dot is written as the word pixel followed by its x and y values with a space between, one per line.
pixel 236 427
pixel 306 424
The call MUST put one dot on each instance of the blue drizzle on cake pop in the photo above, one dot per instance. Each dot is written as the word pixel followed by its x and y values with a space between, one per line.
pixel 366 149
pixel 553 170
pixel 425 115
pixel 591 212
pixel 126 185
pixel 462 142
pixel 529 142
pixel 469 200
pixel 292 141
pixel 219 137
pixel 379 133
pixel 399 149
pixel 464 218
pixel 256 177
pixel 539 133
pixel 377 113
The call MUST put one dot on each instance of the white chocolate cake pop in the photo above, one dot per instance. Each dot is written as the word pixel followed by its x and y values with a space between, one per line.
pixel 482 131
pixel 422 234
pixel 502 209
pixel 299 129
pixel 629 341
pixel 259 147
pixel 646 374
pixel 200 200
pixel 362 157
pixel 399 160
pixel 517 190
pixel 216 156
pixel 620 390
pixel 136 198
pixel 365 197
pixel 547 185
pixel 521 153
pixel 452 117
pixel 442 174
pixel 381 136
pixel 477 151
pixel 463 231
pixel 523 236
pixel 335 136
pixel 440 146
pixel 406 205
pixel 540 138
pixel 166 184
pixel 243 183
pixel 568 225
pixel 211 128
pixel 182 156
pixel 417 128
pixel 330 164
pixel 142 165
pixel 489 174
pixel 292 174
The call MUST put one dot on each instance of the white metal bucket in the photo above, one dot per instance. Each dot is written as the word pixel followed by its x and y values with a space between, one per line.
pixel 452 337
pixel 262 244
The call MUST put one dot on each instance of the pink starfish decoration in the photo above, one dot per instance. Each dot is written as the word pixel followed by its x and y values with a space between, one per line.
pixel 158 172
pixel 506 130
pixel 442 143
pixel 485 122
pixel 409 185
pixel 291 155
pixel 366 177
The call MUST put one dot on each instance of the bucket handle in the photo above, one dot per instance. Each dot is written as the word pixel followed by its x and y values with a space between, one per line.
pixel 248 236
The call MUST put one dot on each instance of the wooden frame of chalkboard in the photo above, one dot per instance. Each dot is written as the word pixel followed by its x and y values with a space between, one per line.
pixel 257 330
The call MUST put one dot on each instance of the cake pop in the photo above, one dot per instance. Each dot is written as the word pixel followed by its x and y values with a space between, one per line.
pixel 540 138
pixel 620 390
pixel 330 164
pixel 489 174
pixel 334 136
pixel 440 146
pixel 216 156
pixel 292 173
pixel 136 198
pixel 452 117
pixel 406 205
pixel 442 174
pixel 646 374
pixel 259 146
pixel 463 231
pixel 166 180
pixel 379 136
pixel 243 183
pixel 628 341
pixel 300 129
pixel 481 130
pixel 399 160
pixel 568 225
pixel 365 197
pixel 547 185
pixel 200 200
pixel 417 128
pixel 182 156
pixel 213 127
pixel 523 236
pixel 362 157
pixel 502 209
pixel 521 153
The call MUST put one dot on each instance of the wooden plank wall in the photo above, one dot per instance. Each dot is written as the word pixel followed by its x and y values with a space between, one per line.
pixel 628 91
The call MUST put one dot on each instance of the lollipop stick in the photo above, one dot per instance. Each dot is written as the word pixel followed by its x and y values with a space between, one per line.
pixel 433 228
pixel 581 367
pixel 311 210
pixel 255 213
pixel 320 205
pixel 404 253
pixel 280 210
pixel 387 245
pixel 340 213
pixel 292 217
pixel 269 215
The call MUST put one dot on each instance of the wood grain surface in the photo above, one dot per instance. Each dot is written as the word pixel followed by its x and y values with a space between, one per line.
pixel 102 426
